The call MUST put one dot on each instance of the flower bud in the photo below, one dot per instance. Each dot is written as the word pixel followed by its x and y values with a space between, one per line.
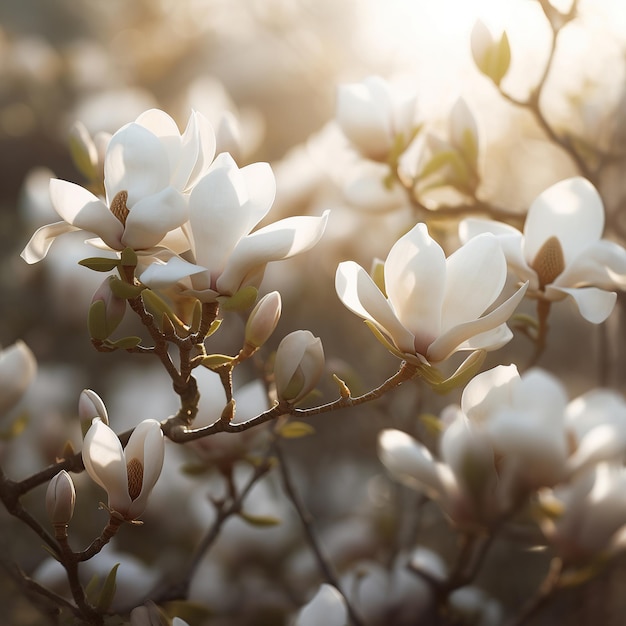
pixel 106 311
pixel 299 365
pixel 60 498
pixel 90 405
pixel 17 369
pixel 492 57
pixel 263 320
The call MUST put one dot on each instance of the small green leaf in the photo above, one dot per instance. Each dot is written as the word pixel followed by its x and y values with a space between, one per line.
pixel 125 343
pixel 97 321
pixel 128 257
pixel 213 361
pixel 215 324
pixel 194 469
pixel 466 371
pixel 240 301
pixel 100 264
pixel 15 429
pixel 295 430
pixel 124 290
pixel 431 422
pixel 262 521
pixel 108 590
pixel 92 588
pixel 196 316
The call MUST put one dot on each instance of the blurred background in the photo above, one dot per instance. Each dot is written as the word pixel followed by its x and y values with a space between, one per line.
pixel 275 66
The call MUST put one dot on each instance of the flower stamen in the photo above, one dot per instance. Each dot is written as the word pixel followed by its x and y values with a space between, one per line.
pixel 134 469
pixel 549 261
pixel 118 206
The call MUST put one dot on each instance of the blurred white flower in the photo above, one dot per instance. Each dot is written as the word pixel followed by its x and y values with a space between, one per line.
pixel 327 607
pixel 373 119
pixel 298 366
pixel 560 252
pixel 224 207
pixel 127 474
pixel 431 306
pixel 17 370
pixel 148 167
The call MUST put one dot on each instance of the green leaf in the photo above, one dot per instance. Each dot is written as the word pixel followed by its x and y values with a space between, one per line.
pixel 92 588
pixel 196 316
pixel 194 469
pixel 295 430
pixel 125 343
pixel 215 324
pixel 431 422
pixel 213 361
pixel 124 290
pixel 100 264
pixel 15 429
pixel 128 257
pixel 97 321
pixel 240 301
pixel 261 521
pixel 108 590
pixel 466 371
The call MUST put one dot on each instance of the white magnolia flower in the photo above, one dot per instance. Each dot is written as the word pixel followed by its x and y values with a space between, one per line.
pixel 148 168
pixel 506 440
pixel 225 256
pixel 60 498
pixel 17 370
pixel 590 518
pixel 298 366
pixel 327 607
pixel 560 251
pixel 433 306
pixel 127 474
pixel 372 118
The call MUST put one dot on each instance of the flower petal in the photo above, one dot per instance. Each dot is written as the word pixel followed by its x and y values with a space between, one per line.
pixel 572 211
pixel 161 275
pixel 137 162
pixel 488 391
pixel 105 463
pixel 595 305
pixel 153 217
pixel 39 244
pixel 274 242
pixel 359 293
pixel 82 209
pixel 451 340
pixel 475 277
pixel 415 275
pixel 199 140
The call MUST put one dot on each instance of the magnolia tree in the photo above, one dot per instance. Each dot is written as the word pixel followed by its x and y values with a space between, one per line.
pixel 497 458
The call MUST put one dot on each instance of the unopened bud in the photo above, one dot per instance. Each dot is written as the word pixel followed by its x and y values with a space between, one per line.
pixel 17 370
pixel 60 499
pixel 299 365
pixel 263 321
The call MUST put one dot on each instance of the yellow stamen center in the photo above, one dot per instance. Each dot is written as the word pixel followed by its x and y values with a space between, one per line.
pixel 134 469
pixel 118 206
pixel 549 262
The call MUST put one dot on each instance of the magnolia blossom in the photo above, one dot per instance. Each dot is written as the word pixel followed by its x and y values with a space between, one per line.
pixel 588 516
pixel 17 370
pixel 327 607
pixel 430 306
pixel 298 366
pixel 506 440
pixel 224 207
pixel 372 118
pixel 148 168
pixel 60 498
pixel 560 252
pixel 127 474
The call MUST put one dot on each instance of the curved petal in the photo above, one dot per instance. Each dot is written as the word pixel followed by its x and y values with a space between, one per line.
pixel 39 244
pixel 289 355
pixel 595 305
pixel 450 341
pixel 415 276
pixel 136 161
pixel 572 211
pixel 600 264
pixel 327 607
pixel 488 391
pixel 490 340
pixel 275 242
pixel 82 209
pixel 475 277
pixel 408 461
pixel 359 293
pixel 153 217
pixel 198 139
pixel 106 465
pixel 162 275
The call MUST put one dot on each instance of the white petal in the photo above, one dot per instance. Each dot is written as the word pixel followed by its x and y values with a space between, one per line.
pixel 275 242
pixel 327 607
pixel 137 162
pixel 82 209
pixel 203 135
pixel 359 293
pixel 489 390
pixel 17 370
pixel 595 305
pixel 415 276
pixel 408 461
pixel 451 340
pixel 475 276
pixel 105 463
pixel 153 217
pixel 162 275
pixel 570 210
pixel 39 244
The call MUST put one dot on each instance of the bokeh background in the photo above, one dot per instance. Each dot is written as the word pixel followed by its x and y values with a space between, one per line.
pixel 275 65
